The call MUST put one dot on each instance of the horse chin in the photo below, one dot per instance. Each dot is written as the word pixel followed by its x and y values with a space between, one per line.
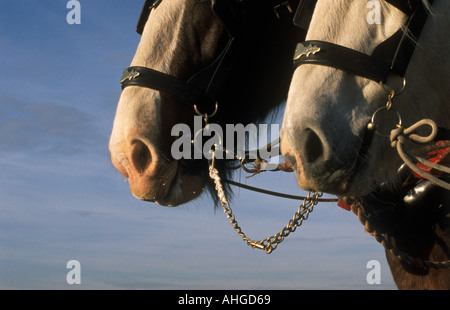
pixel 347 184
pixel 172 191
pixel 358 184
pixel 353 180
pixel 183 189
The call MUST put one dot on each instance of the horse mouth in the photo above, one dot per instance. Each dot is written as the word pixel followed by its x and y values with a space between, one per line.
pixel 175 182
pixel 180 189
pixel 354 184
pixel 163 197
pixel 345 179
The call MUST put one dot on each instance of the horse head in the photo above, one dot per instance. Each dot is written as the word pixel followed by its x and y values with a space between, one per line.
pixel 343 80
pixel 196 57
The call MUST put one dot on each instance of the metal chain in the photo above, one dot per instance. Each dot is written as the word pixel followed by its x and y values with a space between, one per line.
pixel 271 243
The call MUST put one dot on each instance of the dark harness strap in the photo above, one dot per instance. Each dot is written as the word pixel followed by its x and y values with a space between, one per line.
pixel 149 5
pixel 200 90
pixel 403 42
pixel 391 56
pixel 204 88
pixel 343 58
pixel 147 77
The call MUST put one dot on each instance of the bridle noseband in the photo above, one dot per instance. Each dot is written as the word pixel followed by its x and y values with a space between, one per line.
pixel 204 88
pixel 392 56
pixel 201 90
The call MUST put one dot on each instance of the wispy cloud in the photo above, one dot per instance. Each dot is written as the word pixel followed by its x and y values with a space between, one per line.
pixel 46 128
pixel 61 199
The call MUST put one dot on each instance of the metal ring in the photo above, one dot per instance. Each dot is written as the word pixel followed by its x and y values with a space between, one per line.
pixel 372 125
pixel 206 115
pixel 388 91
pixel 197 140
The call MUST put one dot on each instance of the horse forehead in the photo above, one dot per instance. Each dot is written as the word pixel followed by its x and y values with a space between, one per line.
pixel 160 33
pixel 345 22
pixel 323 24
pixel 165 16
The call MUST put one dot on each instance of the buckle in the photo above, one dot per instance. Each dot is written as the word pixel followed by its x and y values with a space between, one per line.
pixel 277 7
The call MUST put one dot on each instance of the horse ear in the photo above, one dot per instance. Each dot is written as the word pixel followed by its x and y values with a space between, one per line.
pixel 226 11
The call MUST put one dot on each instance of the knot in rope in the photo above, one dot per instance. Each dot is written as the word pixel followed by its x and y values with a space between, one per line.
pixel 400 133
pixel 398 137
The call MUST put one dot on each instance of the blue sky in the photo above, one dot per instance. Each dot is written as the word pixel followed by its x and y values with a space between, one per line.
pixel 61 199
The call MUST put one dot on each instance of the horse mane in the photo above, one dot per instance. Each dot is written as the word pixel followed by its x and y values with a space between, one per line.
pixel 259 81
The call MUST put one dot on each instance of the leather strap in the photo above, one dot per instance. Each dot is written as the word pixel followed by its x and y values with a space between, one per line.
pixel 149 5
pixel 399 48
pixel 303 15
pixel 202 89
pixel 159 81
pixel 406 6
pixel 227 12
pixel 391 56
pixel 344 58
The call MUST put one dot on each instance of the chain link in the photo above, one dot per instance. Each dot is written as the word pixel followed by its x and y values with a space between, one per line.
pixel 271 243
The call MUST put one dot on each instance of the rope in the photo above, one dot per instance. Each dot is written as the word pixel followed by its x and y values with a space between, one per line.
pixel 282 195
pixel 398 137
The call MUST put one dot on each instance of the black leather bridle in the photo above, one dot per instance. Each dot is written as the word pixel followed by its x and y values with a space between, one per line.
pixel 392 56
pixel 203 89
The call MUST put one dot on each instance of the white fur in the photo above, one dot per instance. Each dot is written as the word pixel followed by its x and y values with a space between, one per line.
pixel 329 96
pixel 138 113
pixel 138 107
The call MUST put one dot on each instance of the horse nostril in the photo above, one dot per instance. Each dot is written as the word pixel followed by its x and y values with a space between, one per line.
pixel 140 156
pixel 312 146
